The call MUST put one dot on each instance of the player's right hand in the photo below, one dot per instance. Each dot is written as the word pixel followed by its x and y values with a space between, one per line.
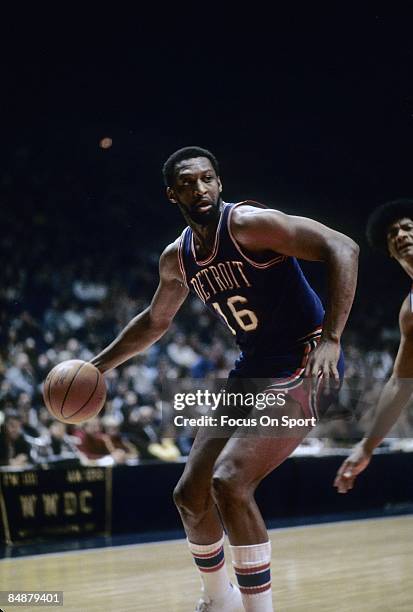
pixel 351 468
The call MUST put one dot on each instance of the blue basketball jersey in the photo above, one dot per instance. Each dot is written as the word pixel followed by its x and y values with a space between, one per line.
pixel 268 305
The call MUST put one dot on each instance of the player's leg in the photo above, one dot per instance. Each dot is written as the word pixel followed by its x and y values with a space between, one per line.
pixel 192 494
pixel 203 525
pixel 241 466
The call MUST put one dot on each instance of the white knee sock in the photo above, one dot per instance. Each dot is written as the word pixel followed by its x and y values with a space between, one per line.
pixel 210 561
pixel 252 569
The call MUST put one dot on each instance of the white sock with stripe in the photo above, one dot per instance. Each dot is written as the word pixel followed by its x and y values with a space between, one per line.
pixel 210 561
pixel 252 569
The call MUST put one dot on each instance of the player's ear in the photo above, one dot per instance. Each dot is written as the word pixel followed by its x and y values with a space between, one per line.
pixel 219 185
pixel 170 195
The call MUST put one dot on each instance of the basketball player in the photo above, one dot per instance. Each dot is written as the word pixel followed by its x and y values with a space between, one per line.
pixel 240 260
pixel 390 229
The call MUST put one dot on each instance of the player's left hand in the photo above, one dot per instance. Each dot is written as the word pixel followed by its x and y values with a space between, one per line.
pixel 351 468
pixel 323 362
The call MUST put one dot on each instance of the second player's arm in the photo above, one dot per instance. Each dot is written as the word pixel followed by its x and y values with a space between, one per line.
pixel 271 230
pixel 394 397
pixel 398 389
pixel 152 323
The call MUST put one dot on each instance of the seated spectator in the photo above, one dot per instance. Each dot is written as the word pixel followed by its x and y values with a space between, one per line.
pixel 181 353
pixel 90 442
pixel 15 450
pixel 165 450
pixel 97 448
pixel 62 445
pixel 87 290
pixel 28 415
pixel 119 446
pixel 20 374
pixel 143 430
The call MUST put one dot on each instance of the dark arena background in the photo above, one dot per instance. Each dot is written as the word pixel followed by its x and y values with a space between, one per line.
pixel 308 113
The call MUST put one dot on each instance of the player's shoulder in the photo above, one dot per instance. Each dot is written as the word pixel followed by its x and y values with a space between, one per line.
pixel 249 216
pixel 250 212
pixel 406 316
pixel 171 250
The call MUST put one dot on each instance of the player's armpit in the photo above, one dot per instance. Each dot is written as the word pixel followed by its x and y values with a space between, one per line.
pixel 149 325
pixel 171 291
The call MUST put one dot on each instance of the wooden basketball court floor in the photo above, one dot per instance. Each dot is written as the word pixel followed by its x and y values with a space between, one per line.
pixel 355 566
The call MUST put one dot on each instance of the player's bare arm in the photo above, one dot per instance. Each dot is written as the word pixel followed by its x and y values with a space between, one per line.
pixel 394 397
pixel 152 323
pixel 270 230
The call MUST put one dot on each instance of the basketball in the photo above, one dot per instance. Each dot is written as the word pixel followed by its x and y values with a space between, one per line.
pixel 74 391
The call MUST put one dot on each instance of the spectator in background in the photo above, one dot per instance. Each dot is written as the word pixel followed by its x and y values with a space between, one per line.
pixel 62 445
pixel 90 443
pixel 20 374
pixel 28 415
pixel 15 450
pixel 120 448
pixel 181 353
pixel 144 431
pixel 96 447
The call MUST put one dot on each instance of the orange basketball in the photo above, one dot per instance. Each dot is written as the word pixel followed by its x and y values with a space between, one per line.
pixel 74 391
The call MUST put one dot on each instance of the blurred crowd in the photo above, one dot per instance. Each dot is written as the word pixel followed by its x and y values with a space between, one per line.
pixel 55 306
pixel 82 315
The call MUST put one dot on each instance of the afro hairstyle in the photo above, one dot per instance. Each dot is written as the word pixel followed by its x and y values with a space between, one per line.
pixel 382 217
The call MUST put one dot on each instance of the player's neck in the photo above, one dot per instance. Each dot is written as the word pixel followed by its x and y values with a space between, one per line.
pixel 204 235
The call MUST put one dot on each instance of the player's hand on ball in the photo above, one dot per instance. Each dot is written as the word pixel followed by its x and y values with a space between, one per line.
pixel 351 468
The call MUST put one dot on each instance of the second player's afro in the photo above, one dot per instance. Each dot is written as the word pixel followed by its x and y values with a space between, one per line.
pixel 382 217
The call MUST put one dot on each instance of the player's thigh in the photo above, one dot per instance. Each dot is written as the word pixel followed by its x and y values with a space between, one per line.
pixel 253 453
pixel 204 451
pixel 208 445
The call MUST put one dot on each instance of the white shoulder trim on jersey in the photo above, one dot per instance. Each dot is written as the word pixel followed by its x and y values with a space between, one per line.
pixel 203 262
pixel 180 257
pixel 256 264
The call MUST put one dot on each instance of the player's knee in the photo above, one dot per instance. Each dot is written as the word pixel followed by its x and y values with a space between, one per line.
pixel 190 498
pixel 228 485
pixel 180 494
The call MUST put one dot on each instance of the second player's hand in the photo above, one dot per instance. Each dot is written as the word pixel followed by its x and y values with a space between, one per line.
pixel 323 361
pixel 351 468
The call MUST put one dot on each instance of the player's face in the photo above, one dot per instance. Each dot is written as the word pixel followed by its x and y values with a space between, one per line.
pixel 400 240
pixel 196 190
